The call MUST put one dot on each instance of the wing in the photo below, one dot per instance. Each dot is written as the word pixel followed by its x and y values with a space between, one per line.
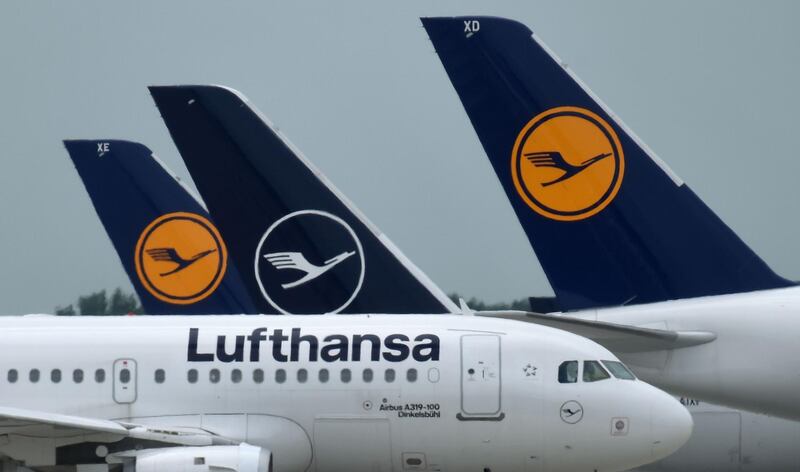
pixel 47 425
pixel 40 424
pixel 33 436
pixel 614 337
pixel 164 254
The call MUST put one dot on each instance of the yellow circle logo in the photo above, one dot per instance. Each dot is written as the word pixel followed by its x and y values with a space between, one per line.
pixel 567 163
pixel 180 258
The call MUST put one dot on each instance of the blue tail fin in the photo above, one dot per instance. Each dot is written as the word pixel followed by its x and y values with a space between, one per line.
pixel 302 245
pixel 172 253
pixel 610 223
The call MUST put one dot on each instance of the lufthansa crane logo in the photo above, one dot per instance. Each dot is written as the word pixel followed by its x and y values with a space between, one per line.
pixel 571 412
pixel 567 164
pixel 309 261
pixel 180 258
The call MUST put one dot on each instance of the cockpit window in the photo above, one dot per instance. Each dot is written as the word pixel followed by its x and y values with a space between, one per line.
pixel 593 371
pixel 568 372
pixel 619 370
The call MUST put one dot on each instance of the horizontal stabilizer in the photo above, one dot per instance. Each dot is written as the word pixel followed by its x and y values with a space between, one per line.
pixel 614 337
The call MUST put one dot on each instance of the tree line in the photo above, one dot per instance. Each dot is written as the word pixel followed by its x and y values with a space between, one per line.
pixel 537 304
pixel 100 304
pixel 123 303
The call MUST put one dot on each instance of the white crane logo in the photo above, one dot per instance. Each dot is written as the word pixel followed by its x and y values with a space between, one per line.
pixel 321 271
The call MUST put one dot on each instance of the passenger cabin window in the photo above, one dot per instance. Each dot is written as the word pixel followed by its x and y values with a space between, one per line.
pixel 12 376
pixel 77 376
pixel 280 376
pixel 160 375
pixel 191 376
pixel 324 375
pixel 99 376
pixel 389 375
pixel 213 376
pixel 258 376
pixel 346 375
pixel 367 375
pixel 433 375
pixel 34 375
pixel 125 376
pixel 593 371
pixel 568 372
pixel 302 375
pixel 411 375
pixel 236 376
pixel 619 370
pixel 55 375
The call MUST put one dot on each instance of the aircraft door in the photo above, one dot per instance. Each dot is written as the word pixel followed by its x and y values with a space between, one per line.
pixel 125 381
pixel 480 376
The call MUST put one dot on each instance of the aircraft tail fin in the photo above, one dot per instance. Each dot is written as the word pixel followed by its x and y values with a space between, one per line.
pixel 307 249
pixel 610 223
pixel 164 237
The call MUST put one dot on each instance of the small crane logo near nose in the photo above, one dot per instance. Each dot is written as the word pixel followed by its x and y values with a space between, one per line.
pixel 571 412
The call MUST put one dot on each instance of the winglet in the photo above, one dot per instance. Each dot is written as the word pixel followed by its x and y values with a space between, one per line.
pixel 465 309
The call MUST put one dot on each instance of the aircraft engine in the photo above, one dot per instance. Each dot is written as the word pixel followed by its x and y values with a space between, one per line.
pixel 241 458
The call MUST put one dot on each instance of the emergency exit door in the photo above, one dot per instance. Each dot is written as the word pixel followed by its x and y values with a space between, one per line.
pixel 480 375
pixel 125 381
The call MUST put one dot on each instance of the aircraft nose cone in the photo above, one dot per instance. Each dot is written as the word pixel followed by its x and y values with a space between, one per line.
pixel 671 426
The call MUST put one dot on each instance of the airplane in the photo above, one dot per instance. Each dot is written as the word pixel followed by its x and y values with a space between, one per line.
pixel 722 439
pixel 626 245
pixel 570 411
pixel 322 393
pixel 177 259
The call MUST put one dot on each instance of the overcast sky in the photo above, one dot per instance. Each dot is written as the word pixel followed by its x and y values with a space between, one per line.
pixel 711 86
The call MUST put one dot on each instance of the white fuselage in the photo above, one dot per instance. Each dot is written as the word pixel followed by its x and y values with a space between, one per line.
pixel 445 393
pixel 750 365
